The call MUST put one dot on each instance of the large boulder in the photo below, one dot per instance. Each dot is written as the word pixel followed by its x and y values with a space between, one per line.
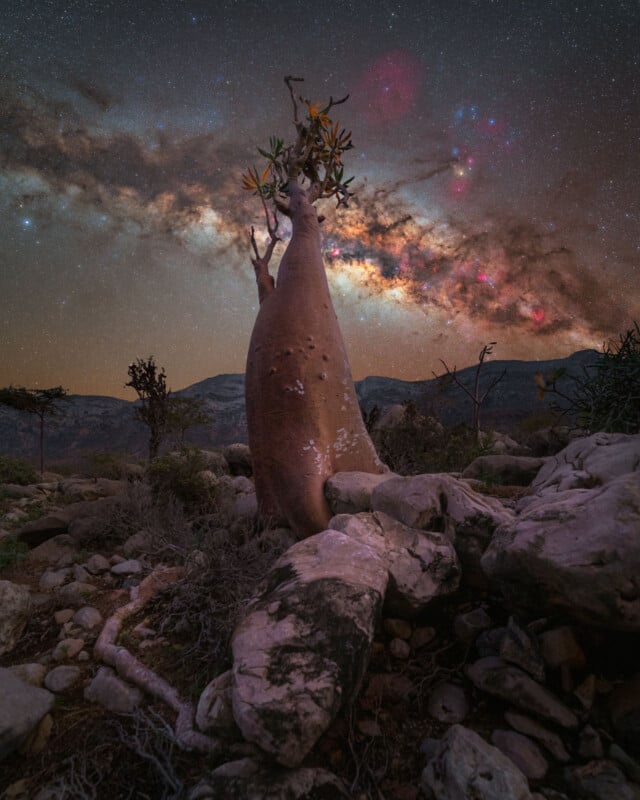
pixel 464 766
pixel 23 706
pixel 302 649
pixel 442 503
pixel 15 602
pixel 350 492
pixel 574 545
pixel 422 564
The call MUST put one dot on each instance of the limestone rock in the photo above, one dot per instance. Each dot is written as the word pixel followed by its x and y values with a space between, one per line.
pixel 573 547
pixel 350 492
pixel 302 649
pixel 443 503
pixel 465 766
pixel 15 603
pixel 214 713
pixel 601 780
pixel 23 706
pixel 33 674
pixel 62 678
pixel 421 564
pixel 524 753
pixel 109 691
pixel 534 729
pixel 496 677
pixel 448 703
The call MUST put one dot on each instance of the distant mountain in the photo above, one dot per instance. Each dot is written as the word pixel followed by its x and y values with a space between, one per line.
pixel 108 424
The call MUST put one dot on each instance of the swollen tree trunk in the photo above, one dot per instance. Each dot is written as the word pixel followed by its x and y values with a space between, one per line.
pixel 302 411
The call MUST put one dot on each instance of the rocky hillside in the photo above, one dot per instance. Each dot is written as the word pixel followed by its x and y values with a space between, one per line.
pixel 107 423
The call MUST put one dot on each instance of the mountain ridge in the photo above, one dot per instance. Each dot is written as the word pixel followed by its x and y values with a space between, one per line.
pixel 100 422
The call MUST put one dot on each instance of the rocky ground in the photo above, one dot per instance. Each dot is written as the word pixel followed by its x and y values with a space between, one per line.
pixel 490 650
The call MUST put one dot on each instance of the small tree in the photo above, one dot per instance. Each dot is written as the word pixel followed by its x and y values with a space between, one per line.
pixel 607 395
pixel 477 396
pixel 184 413
pixel 40 402
pixel 150 383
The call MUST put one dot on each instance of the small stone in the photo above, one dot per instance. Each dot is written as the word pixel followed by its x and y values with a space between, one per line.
pixel 448 703
pixel 130 567
pixel 600 780
pixel 467 626
pixel 586 692
pixel 15 604
pixel 534 729
pixel 399 648
pixel 421 637
pixel 88 618
pixel 590 743
pixel 62 678
pixel 519 647
pixel 33 674
pixel 80 573
pixel 397 628
pixel 52 579
pixel 76 591
pixel 560 650
pixel 38 738
pixel 524 753
pixel 97 564
pixel 64 615
pixel 67 649
pixel 83 656
pixel 112 693
pixel 116 559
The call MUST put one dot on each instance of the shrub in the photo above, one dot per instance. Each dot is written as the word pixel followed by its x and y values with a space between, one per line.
pixel 17 470
pixel 180 474
pixel 416 444
pixel 102 464
pixel 11 551
pixel 607 395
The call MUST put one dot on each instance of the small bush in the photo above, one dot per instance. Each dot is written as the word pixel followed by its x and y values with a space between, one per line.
pixel 180 474
pixel 11 552
pixel 17 470
pixel 607 395
pixel 417 444
pixel 101 464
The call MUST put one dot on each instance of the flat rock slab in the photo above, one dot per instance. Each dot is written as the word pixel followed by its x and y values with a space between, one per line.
pixel 464 766
pixel 23 706
pixel 303 648
pixel 496 677
pixel 574 551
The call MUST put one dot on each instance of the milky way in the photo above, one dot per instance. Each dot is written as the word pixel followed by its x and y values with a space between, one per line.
pixel 496 162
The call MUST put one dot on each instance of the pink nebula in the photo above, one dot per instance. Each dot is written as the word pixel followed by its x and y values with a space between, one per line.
pixel 388 88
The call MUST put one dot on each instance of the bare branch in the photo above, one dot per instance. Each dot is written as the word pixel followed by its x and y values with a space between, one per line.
pixel 288 80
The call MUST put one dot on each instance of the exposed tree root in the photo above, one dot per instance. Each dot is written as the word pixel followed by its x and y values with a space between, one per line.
pixel 133 670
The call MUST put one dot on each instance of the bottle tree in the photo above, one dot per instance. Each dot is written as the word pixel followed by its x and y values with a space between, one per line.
pixel 303 417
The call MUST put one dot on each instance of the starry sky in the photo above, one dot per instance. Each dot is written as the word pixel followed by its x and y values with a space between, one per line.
pixel 496 164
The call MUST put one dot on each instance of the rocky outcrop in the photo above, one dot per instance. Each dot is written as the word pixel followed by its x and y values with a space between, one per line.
pixel 574 545
pixel 303 647
pixel 422 565
pixel 443 503
pixel 505 469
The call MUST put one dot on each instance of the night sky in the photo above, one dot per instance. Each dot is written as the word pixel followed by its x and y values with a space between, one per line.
pixel 497 164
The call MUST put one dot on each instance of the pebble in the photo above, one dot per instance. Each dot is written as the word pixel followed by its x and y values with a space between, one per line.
pixel 467 626
pixel 397 628
pixel 130 567
pixel 399 648
pixel 67 649
pixel 62 678
pixel 448 703
pixel 64 615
